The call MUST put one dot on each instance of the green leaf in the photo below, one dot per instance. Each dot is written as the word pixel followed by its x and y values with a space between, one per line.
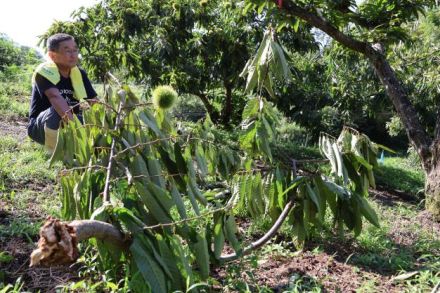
pixel 155 172
pixel 180 161
pixel 368 212
pixel 138 168
pixel 172 168
pixel 177 198
pixel 267 83
pixel 131 222
pixel 168 257
pixel 162 195
pixel 252 68
pixel 295 183
pixel 192 199
pixel 296 25
pixel 68 209
pixel 257 195
pixel 200 250
pixel 315 198
pixel 146 264
pixel 219 238
pixel 201 161
pixel 151 203
pixel 251 109
pixel 181 259
pixel 196 191
pixel 325 191
pixel 248 137
pixel 363 162
pixel 380 146
pixel 279 67
pixel 58 154
pixel 148 119
pixel 230 229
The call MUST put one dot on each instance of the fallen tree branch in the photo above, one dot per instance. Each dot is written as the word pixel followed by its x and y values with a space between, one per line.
pixel 58 240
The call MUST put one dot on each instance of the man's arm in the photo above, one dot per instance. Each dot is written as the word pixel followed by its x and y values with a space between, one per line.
pixel 59 103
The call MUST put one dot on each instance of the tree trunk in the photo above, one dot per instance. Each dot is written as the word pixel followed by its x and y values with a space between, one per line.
pixel 432 186
pixel 227 109
pixel 406 111
pixel 213 114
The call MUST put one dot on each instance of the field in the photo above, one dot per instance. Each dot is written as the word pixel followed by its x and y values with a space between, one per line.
pixel 403 255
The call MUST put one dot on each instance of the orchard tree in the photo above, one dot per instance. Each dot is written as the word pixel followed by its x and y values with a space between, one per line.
pixel 199 47
pixel 369 28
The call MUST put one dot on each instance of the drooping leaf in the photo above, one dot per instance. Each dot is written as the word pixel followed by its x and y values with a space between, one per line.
pixel 149 268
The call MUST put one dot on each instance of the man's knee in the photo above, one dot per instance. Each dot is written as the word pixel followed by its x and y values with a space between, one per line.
pixel 36 131
pixel 51 119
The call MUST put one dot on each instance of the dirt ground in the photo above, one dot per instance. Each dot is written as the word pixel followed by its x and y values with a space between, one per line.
pixel 15 128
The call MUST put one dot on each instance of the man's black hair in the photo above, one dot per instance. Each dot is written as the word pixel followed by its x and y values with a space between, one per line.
pixel 53 42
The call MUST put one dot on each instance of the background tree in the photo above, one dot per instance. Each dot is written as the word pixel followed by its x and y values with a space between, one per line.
pixel 12 54
pixel 370 28
pixel 200 47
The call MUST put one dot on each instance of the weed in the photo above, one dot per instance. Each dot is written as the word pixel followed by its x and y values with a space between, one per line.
pixel 368 286
pixel 5 257
pixel 299 283
pixel 20 227
pixel 9 288
pixel 13 99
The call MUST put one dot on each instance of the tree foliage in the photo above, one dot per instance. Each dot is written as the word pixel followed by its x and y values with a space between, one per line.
pixel 199 47
pixel 11 54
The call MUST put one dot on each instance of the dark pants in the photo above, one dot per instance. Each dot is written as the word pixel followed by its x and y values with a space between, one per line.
pixel 48 117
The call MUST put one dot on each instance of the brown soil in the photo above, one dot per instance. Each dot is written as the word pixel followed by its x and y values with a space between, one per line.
pixel 44 279
pixel 16 128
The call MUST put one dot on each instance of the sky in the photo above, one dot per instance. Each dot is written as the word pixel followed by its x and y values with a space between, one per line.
pixel 24 20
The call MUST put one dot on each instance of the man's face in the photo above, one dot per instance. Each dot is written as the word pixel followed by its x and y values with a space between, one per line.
pixel 66 55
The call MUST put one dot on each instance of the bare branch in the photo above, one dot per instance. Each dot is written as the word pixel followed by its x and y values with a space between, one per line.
pixel 266 237
pixel 324 25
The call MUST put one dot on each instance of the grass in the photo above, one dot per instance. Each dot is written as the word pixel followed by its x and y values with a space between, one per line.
pixel 14 100
pixel 23 163
pixel 400 247
pixel 399 173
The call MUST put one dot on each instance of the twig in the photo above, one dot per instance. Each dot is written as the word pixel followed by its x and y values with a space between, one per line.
pixel 106 196
pixel 229 205
pixel 436 289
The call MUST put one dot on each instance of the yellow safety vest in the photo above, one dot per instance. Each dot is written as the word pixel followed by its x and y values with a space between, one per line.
pixel 49 70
